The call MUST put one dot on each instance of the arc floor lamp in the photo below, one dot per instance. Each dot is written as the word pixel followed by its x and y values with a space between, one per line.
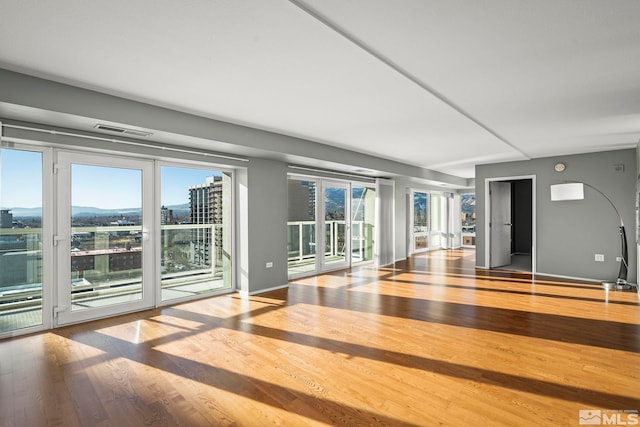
pixel 575 191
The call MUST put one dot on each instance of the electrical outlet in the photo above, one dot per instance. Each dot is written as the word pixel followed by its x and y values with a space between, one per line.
pixel 600 257
pixel 269 264
pixel 618 259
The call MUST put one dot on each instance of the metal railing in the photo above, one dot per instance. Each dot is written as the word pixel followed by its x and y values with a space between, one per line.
pixel 107 261
pixel 302 245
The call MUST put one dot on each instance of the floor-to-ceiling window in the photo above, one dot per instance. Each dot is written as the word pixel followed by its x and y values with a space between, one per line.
pixel 468 216
pixel 195 231
pixel 437 221
pixel 429 221
pixel 337 216
pixel 21 239
pixel 363 205
pixel 420 221
pixel 105 256
pixel 301 226
pixel 129 233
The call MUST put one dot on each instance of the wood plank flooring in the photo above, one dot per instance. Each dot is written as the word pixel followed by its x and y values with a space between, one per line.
pixel 431 341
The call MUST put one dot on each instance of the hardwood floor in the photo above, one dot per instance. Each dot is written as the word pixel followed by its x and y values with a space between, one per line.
pixel 432 341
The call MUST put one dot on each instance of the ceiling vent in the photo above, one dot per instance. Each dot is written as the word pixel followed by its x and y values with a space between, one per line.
pixel 122 131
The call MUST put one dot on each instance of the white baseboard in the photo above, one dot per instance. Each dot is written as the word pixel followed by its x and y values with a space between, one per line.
pixel 582 279
pixel 261 291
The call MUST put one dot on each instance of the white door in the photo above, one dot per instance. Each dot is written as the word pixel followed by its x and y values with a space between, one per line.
pixel 336 225
pixel 103 236
pixel 500 234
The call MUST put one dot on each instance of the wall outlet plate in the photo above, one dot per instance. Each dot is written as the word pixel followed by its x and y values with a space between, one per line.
pixel 600 257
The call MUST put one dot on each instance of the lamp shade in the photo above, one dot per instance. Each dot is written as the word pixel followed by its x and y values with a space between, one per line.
pixel 570 191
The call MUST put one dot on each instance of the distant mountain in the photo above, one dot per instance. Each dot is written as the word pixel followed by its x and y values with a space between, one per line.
pixel 468 203
pixel 83 211
pixel 25 212
pixel 91 211
pixel 179 209
pixel 334 201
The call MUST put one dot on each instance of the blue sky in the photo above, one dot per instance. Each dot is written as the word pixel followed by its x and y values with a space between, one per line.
pixel 94 186
pixel 20 179
pixel 175 183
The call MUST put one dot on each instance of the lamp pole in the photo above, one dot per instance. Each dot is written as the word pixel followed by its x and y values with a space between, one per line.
pixel 621 283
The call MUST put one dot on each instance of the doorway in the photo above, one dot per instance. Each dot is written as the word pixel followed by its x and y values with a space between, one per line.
pixel 429 221
pixel 510 223
pixel 104 265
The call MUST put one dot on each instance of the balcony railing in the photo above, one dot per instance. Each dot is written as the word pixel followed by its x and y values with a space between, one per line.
pixel 106 262
pixel 302 245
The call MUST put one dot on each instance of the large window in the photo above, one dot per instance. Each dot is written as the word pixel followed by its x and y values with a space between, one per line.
pixel 86 235
pixel 429 221
pixel 468 216
pixel 21 268
pixel 363 205
pixel 301 226
pixel 336 216
pixel 420 226
pixel 195 226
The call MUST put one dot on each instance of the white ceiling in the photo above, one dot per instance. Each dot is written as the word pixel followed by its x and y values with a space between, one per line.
pixel 443 85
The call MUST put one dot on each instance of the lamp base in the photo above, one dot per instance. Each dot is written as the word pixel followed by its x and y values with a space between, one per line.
pixel 620 285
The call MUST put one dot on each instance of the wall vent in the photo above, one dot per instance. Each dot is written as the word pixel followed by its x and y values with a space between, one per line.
pixel 122 131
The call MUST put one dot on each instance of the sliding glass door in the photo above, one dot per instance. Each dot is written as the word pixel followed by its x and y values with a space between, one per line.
pixel 429 221
pixel 86 235
pixel 337 216
pixel 104 247
pixel 337 225
pixel 301 227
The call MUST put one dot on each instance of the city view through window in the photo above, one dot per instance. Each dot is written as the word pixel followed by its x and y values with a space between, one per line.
pixel 468 207
pixel 106 242
pixel 346 240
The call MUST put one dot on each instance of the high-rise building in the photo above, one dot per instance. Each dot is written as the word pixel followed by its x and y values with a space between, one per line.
pixel 205 207
pixel 166 216
pixel 302 200
pixel 6 218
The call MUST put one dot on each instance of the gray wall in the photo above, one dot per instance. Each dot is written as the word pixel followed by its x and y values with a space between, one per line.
pixel 570 233
pixel 263 232
pixel 29 98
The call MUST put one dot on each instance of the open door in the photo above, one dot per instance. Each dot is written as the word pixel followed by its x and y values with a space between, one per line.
pixel 500 194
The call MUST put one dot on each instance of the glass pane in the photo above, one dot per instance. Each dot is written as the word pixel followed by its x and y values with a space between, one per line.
pixel 20 239
pixel 335 225
pixel 468 206
pixel 194 219
pixel 436 212
pixel 420 212
pixel 363 202
pixel 421 242
pixel 301 226
pixel 106 236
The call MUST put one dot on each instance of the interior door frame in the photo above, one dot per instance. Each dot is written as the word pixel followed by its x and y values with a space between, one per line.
pixel 487 218
pixel 62 300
